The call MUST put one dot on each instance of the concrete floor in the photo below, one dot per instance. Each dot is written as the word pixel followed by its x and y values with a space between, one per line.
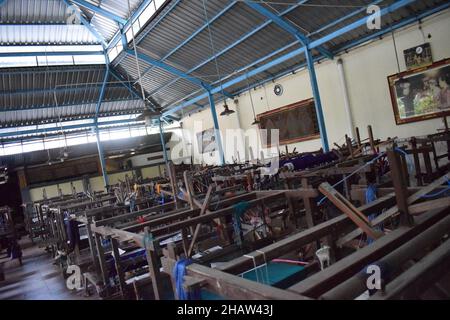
pixel 36 279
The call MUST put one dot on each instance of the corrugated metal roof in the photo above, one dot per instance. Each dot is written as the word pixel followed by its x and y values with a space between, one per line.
pixel 60 93
pixel 40 22
pixel 237 21
pixel 72 112
pixel 240 37
pixel 105 26
pixel 33 12
pixel 45 34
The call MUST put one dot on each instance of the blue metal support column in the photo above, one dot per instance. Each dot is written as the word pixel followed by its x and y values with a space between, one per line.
pixel 212 105
pixel 102 158
pixel 163 143
pixel 97 132
pixel 100 11
pixel 317 100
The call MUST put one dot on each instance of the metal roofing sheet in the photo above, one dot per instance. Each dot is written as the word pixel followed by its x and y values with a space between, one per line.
pixel 38 94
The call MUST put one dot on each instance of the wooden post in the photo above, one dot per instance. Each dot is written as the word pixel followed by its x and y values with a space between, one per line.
pixel 349 146
pixel 185 240
pixel 371 140
pixel 428 166
pixel 173 183
pixel 91 244
pixel 399 182
pixel 116 255
pixel 151 250
pixel 102 262
pixel 448 141
pixel 358 137
pixel 309 204
pixel 359 218
pixel 203 210
pixel 416 161
pixel 188 184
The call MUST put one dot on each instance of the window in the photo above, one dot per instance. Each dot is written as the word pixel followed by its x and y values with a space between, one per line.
pixel 12 148
pixel 159 3
pixel 147 14
pixel 7 62
pixel 76 140
pixel 54 60
pixel 92 59
pixel 33 146
pixel 52 143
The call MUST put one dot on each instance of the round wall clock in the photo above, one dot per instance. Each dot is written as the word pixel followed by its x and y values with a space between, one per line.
pixel 278 89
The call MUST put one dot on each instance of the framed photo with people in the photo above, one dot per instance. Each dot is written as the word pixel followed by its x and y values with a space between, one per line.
pixel 422 93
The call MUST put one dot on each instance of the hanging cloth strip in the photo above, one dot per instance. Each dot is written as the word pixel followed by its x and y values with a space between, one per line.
pixel 179 271
pixel 265 279
pixel 371 196
pixel 239 210
pixel 266 267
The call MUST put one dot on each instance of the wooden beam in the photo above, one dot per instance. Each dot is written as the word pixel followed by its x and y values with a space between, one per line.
pixel 394 210
pixel 420 276
pixel 127 216
pixel 413 198
pixel 351 211
pixel 162 219
pixel 151 252
pixel 234 287
pixel 399 180
pixel 429 205
pixel 327 279
pixel 302 238
pixel 101 258
pixel 285 246
pixel 202 212
pixel 177 226
pixel 124 236
pixel 116 256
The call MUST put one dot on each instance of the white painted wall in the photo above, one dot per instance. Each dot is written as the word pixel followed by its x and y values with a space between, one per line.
pixel 366 69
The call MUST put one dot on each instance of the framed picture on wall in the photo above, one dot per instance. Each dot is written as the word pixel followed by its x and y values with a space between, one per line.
pixel 422 93
pixel 418 56
pixel 206 141
pixel 296 122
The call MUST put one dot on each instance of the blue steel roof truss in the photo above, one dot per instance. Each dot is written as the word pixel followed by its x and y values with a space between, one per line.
pixel 317 40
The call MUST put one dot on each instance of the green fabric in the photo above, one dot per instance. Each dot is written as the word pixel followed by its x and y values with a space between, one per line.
pixel 277 273
pixel 239 210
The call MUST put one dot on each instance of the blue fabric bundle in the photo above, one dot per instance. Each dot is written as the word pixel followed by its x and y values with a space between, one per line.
pixel 371 195
pixel 179 271
pixel 239 210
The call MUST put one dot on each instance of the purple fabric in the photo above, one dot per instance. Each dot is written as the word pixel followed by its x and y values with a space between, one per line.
pixel 310 160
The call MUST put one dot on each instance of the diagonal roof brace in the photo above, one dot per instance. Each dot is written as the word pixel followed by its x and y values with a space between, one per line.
pixel 172 70
pixel 100 11
pixel 288 27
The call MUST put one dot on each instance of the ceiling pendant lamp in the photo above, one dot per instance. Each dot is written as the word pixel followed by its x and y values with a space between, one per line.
pixel 226 111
